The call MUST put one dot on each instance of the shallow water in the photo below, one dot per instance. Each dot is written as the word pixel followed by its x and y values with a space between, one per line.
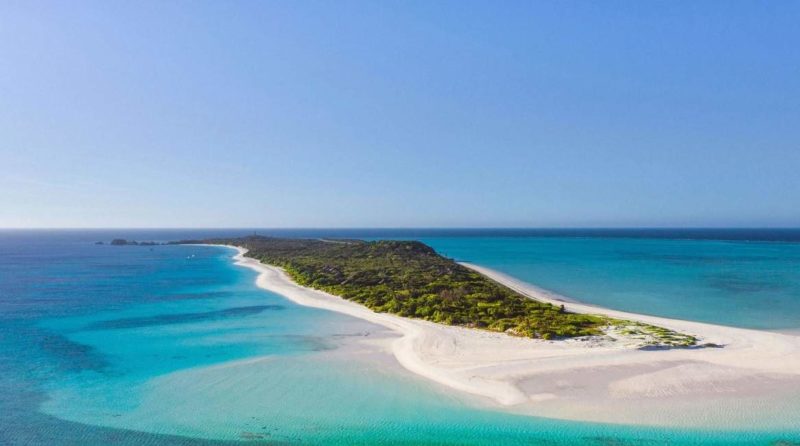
pixel 175 345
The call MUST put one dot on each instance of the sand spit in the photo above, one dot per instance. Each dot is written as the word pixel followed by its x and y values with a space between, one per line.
pixel 752 381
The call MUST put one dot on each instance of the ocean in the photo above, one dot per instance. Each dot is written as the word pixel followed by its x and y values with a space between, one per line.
pixel 174 345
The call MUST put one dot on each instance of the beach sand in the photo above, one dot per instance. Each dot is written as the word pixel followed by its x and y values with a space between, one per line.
pixel 752 381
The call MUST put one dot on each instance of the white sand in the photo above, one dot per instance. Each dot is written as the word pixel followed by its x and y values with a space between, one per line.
pixel 754 380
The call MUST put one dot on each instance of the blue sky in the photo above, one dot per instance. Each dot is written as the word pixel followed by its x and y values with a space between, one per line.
pixel 394 113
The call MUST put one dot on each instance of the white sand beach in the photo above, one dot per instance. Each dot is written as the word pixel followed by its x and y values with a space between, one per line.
pixel 753 380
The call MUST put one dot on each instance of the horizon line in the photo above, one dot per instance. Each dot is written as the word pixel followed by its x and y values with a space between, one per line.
pixel 240 228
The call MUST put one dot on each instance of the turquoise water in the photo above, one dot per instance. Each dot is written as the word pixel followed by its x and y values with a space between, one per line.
pixel 174 345
pixel 752 284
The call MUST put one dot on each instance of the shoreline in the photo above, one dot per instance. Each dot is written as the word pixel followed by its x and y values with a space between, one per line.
pixel 583 379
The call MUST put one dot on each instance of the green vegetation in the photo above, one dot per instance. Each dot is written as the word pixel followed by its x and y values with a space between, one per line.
pixel 410 279
pixel 651 335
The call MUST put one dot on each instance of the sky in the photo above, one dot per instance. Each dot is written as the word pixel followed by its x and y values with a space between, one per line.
pixel 399 114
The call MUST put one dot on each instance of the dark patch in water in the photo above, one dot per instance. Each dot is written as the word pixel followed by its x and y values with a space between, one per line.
pixel 690 259
pixel 180 318
pixel 676 259
pixel 72 356
pixel 252 436
pixel 734 283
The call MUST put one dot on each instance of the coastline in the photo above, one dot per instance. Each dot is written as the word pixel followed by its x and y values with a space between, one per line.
pixel 587 379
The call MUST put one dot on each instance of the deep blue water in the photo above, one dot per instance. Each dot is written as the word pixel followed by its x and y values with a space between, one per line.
pixel 138 345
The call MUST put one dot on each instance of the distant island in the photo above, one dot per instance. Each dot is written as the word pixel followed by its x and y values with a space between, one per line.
pixel 123 242
pixel 408 278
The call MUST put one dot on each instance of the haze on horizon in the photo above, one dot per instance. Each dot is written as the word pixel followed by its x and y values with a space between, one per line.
pixel 398 114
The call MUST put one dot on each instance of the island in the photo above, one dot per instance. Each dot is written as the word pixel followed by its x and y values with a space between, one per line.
pixel 512 345
pixel 123 242
pixel 410 279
